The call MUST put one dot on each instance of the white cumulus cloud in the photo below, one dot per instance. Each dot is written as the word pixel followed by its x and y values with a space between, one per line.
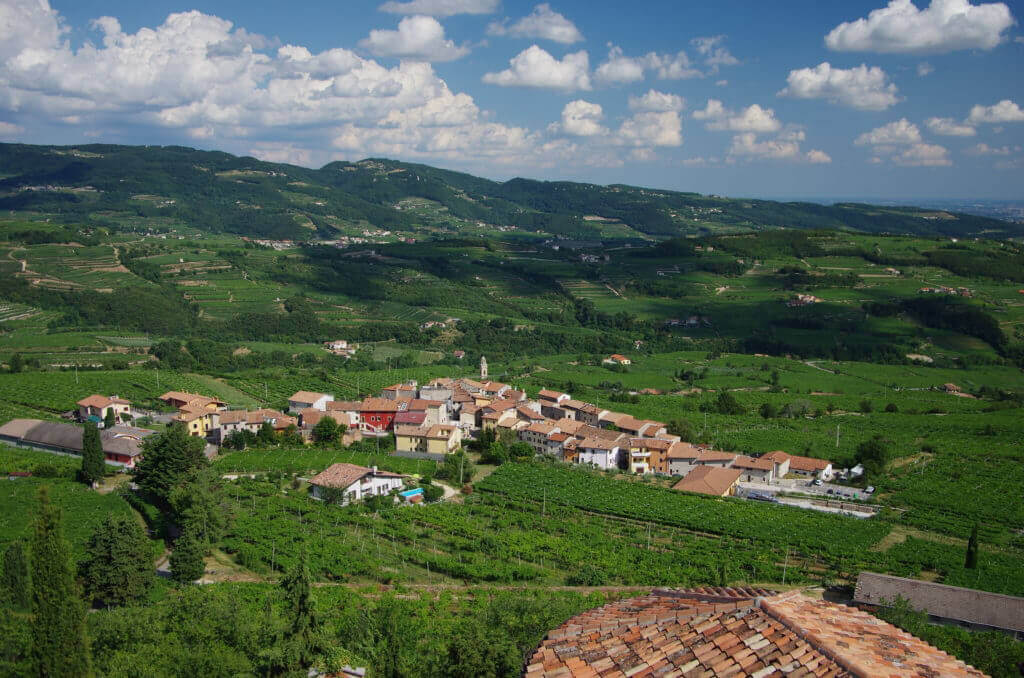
pixel 543 23
pixel 673 66
pixel 753 118
pixel 620 68
pixel 652 129
pixel 859 87
pixel 418 37
pixel 985 149
pixel 949 127
pixel 943 26
pixel 657 102
pixel 714 54
pixel 923 155
pixel 1004 111
pixel 748 146
pixel 441 7
pixel 583 119
pixel 534 67
pixel 897 133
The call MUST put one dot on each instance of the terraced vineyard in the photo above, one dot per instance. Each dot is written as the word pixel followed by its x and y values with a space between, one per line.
pixel 82 508
pixel 55 392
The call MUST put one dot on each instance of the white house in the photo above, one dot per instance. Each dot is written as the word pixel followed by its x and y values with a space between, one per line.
pixel 302 400
pixel 603 454
pixel 97 406
pixel 352 483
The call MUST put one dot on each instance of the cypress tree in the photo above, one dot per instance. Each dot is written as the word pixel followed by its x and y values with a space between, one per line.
pixel 118 565
pixel 93 464
pixel 109 419
pixel 17 579
pixel 59 644
pixel 166 461
pixel 187 558
pixel 972 549
pixel 302 633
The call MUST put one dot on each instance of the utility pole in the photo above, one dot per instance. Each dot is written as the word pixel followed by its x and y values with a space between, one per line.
pixel 785 566
pixel 837 436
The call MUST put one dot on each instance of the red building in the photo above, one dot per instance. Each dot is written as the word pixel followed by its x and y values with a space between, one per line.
pixel 377 415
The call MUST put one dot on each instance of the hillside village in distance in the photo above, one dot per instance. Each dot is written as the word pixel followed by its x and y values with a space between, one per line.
pixel 433 421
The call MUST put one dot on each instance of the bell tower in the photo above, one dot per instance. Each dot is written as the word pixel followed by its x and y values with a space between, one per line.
pixel 483 368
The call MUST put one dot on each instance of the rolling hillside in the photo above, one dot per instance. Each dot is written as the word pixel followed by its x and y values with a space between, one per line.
pixel 107 185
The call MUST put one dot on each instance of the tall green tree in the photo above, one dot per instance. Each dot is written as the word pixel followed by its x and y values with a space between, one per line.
pixel 118 564
pixel 302 634
pixel 93 463
pixel 198 505
pixel 187 558
pixel 266 435
pixel 971 561
pixel 874 455
pixel 167 459
pixel 325 431
pixel 16 579
pixel 17 363
pixel 110 418
pixel 60 646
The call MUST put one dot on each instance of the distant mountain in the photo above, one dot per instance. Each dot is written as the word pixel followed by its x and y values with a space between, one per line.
pixel 219 192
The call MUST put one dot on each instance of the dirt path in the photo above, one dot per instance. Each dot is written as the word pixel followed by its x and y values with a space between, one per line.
pixel 810 363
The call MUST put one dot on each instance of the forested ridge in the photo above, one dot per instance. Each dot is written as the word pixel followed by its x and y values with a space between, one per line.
pixel 219 192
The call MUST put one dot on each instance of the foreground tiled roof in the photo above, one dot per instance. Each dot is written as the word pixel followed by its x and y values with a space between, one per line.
pixel 734 632
pixel 861 643
pixel 306 397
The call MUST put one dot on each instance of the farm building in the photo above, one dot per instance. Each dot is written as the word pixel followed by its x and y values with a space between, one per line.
pixel 735 632
pixel 122 445
pixel 617 359
pixel 754 470
pixel 348 482
pixel 944 604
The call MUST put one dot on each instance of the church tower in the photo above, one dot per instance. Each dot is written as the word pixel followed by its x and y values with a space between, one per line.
pixel 483 368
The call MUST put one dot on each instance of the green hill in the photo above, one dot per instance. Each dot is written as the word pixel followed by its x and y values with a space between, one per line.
pixel 217 192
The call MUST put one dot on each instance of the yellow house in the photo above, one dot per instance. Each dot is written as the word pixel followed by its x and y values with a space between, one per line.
pixel 198 422
pixel 439 439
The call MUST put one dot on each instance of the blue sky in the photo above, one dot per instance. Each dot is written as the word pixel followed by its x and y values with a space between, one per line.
pixel 889 99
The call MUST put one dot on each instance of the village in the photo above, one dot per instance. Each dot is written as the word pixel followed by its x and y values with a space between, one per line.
pixel 432 421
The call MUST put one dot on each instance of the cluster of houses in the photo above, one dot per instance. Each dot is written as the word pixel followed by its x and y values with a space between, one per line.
pixel 433 420
pixel 942 289
pixel 803 300
pixel 341 347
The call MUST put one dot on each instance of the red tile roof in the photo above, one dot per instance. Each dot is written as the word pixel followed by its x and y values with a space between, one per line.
pixel 343 475
pixel 807 463
pixel 714 456
pixel 308 397
pixel 735 632
pixel 379 405
pixel 708 480
pixel 762 464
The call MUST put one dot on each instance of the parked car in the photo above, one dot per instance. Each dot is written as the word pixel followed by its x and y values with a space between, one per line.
pixel 870 489
pixel 817 481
